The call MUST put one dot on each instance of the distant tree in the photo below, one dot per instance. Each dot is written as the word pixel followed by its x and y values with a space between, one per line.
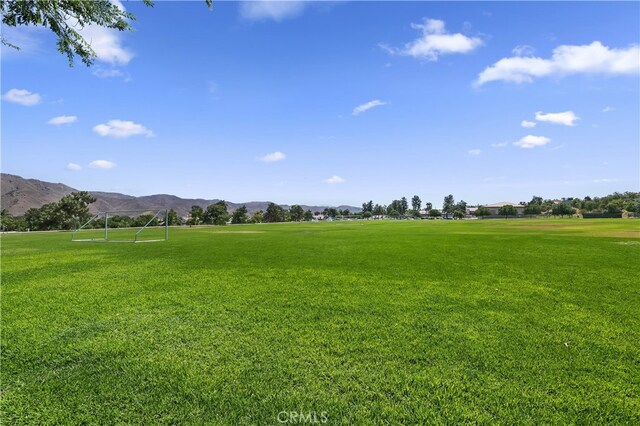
pixel 507 211
pixel 274 213
pixel 172 218
pixel 400 206
pixel 74 209
pixel 393 213
pixel 119 221
pixel 257 217
pixel 379 210
pixel 428 207
pixel 536 200
pixel 416 203
pixel 434 213
pixel 632 206
pixel 533 209
pixel 6 221
pixel 562 210
pixel 346 212
pixel 196 216
pixel 143 220
pixel 46 218
pixel 576 202
pixel 239 215
pixel 613 208
pixel 331 212
pixel 414 213
pixel 308 216
pixel 216 214
pixel 482 211
pixel 458 214
pixel 404 205
pixel 462 206
pixel 448 204
pixel 297 213
pixel 367 215
pixel 367 207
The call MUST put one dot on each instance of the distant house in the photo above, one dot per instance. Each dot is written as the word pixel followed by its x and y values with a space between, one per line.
pixel 495 207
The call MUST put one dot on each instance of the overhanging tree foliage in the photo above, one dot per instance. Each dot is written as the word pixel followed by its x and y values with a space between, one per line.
pixel 65 18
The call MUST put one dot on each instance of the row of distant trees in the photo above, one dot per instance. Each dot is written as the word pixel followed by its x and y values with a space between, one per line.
pixel 218 214
pixel 401 208
pixel 73 210
pixel 67 213
pixel 613 204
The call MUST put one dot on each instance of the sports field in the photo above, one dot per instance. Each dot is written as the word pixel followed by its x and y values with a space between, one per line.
pixel 418 322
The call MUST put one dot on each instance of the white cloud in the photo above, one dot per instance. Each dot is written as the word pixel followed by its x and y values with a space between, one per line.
pixel 333 180
pixel 474 152
pixel 594 58
pixel 608 109
pixel 499 145
pixel 122 129
pixel 523 50
pixel 273 157
pixel 567 118
pixel 22 97
pixel 605 180
pixel 276 10
pixel 102 164
pixel 435 41
pixel 108 73
pixel 74 167
pixel 63 119
pixel 107 44
pixel 365 107
pixel 531 141
pixel 528 124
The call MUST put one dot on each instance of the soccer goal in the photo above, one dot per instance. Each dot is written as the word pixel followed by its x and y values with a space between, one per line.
pixel 125 226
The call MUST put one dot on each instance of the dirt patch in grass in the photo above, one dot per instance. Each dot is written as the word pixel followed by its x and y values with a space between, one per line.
pixel 621 234
pixel 18 250
pixel 237 232
pixel 550 226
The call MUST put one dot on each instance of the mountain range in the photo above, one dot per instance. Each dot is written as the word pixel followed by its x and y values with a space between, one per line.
pixel 20 194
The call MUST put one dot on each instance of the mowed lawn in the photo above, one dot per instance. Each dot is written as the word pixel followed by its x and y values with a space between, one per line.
pixel 418 322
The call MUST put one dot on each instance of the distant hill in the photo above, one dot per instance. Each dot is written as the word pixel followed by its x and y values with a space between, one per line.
pixel 20 194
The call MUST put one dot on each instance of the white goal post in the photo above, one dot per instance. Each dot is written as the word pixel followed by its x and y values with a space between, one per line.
pixel 125 226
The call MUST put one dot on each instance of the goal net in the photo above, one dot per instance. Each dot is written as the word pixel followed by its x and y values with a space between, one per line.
pixel 125 226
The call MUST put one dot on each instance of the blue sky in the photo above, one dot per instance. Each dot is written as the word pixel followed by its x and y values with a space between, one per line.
pixel 338 103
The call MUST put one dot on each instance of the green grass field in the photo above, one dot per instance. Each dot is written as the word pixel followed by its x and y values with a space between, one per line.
pixel 419 322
